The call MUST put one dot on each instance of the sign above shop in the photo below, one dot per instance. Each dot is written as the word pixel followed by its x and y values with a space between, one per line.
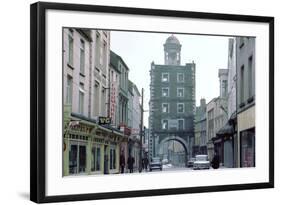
pixel 104 120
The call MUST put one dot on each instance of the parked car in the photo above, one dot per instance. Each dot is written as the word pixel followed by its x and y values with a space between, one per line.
pixel 201 162
pixel 155 164
pixel 190 162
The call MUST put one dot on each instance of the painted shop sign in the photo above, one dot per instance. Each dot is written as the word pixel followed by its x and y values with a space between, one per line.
pixel 104 120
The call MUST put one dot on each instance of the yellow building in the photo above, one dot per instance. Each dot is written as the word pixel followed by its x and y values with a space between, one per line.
pixel 89 148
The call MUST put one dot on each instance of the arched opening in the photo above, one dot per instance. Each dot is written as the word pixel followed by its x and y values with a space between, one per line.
pixel 174 150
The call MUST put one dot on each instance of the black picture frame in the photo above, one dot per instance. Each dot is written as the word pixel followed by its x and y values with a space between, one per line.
pixel 38 100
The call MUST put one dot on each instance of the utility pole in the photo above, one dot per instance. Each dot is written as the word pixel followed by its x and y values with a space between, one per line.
pixel 141 128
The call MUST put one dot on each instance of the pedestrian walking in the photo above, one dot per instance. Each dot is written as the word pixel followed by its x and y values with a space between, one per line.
pixel 122 162
pixel 145 160
pixel 130 162
pixel 216 160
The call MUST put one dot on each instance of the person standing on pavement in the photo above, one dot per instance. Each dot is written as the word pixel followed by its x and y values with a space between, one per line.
pixel 145 160
pixel 122 161
pixel 216 160
pixel 130 162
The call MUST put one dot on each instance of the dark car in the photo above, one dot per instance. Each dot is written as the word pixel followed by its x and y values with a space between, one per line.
pixel 155 164
pixel 190 162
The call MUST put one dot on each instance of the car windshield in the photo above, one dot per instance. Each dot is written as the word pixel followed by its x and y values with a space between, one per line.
pixel 201 158
pixel 155 159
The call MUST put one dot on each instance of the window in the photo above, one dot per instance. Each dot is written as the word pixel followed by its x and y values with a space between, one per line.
pixel 180 107
pixel 101 55
pixel 103 98
pixel 180 124
pixel 81 98
pixel 165 92
pixel 98 159
pixel 242 84
pixel 69 87
pixel 180 77
pixel 95 164
pixel 97 49
pixel 224 88
pixel 104 53
pixel 77 158
pixel 180 92
pixel 82 158
pixel 241 42
pixel 250 76
pixel 97 100
pixel 164 124
pixel 82 57
pixel 112 162
pixel 165 77
pixel 70 48
pixel 247 147
pixel 165 108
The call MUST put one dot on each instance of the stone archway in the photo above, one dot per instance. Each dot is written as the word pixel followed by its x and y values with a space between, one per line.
pixel 178 139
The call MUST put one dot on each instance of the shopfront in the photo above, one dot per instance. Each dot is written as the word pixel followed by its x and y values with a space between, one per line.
pixel 247 148
pixel 246 138
pixel 90 148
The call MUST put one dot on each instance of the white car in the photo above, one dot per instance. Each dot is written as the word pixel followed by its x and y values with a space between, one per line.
pixel 201 162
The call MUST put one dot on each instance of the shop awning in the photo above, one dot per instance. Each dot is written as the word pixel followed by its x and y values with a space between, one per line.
pixel 227 129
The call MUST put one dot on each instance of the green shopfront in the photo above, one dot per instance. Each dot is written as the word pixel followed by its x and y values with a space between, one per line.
pixel 89 148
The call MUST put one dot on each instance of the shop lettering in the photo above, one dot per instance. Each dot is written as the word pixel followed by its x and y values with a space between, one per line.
pixel 104 120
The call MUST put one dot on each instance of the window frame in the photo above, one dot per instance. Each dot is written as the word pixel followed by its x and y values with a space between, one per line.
pixel 178 80
pixel 168 92
pixel 178 104
pixel 168 77
pixel 182 92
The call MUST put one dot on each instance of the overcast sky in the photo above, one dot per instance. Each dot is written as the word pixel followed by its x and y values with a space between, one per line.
pixel 139 49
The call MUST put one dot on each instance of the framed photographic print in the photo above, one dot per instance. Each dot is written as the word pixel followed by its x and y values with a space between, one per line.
pixel 129 102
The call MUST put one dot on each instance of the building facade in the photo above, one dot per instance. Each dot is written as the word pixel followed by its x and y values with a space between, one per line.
pixel 217 117
pixel 114 82
pixel 245 51
pixel 134 122
pixel 172 99
pixel 90 144
pixel 200 145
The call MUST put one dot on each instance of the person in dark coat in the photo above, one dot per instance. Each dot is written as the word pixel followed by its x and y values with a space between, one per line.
pixel 122 162
pixel 216 160
pixel 130 162
pixel 145 160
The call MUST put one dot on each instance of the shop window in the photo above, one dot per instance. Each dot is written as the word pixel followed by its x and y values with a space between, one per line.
pixel 247 145
pixel 95 164
pixel 82 159
pixel 73 159
pixel 77 159
pixel 112 158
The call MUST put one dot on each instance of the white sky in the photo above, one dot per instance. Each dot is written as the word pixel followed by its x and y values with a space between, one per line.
pixel 139 49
